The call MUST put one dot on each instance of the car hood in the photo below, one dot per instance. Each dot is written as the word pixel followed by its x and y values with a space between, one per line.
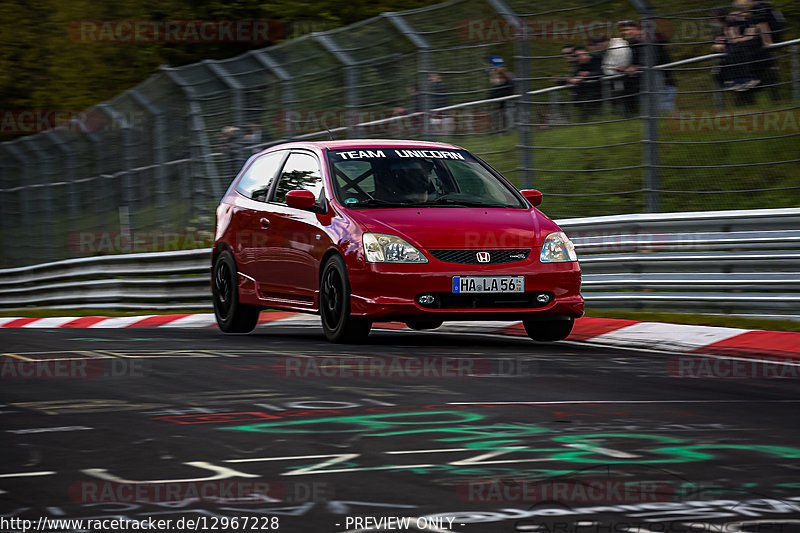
pixel 461 227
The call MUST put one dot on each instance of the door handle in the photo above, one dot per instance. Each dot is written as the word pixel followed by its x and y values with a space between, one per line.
pixel 264 222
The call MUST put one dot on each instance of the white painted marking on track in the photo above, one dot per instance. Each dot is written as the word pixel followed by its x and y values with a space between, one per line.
pixel 260 459
pixel 618 454
pixel 28 474
pixel 667 336
pixel 401 452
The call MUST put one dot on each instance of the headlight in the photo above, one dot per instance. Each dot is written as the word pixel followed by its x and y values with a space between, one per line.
pixel 557 248
pixel 381 248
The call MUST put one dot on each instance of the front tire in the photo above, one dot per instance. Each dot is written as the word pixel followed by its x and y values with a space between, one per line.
pixel 334 305
pixel 232 316
pixel 548 330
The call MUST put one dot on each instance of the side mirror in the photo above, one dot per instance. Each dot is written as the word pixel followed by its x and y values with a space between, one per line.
pixel 533 196
pixel 300 199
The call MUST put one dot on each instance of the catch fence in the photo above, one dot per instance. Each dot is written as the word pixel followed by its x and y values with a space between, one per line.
pixel 153 162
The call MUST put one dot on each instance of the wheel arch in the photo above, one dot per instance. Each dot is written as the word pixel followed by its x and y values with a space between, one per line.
pixel 330 252
pixel 220 247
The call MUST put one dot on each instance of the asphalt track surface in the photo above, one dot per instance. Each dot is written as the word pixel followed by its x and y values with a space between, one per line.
pixel 452 432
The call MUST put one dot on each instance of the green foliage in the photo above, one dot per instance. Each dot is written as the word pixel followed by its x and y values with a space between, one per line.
pixel 45 64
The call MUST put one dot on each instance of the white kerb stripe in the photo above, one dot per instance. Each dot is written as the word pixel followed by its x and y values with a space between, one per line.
pixel 199 320
pixel 477 326
pixel 6 320
pixel 297 320
pixel 119 322
pixel 666 336
pixel 50 322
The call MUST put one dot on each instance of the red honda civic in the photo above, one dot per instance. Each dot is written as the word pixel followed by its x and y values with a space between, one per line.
pixel 361 231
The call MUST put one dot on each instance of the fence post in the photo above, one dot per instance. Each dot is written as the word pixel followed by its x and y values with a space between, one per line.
pixel 424 64
pixel 42 191
pixel 69 174
pixel 159 153
pixel 6 208
pixel 219 72
pixel 99 187
pixel 350 80
pixel 201 148
pixel 287 94
pixel 522 64
pixel 649 106
pixel 650 130
pixel 13 246
pixel 129 185
pixel 524 115
pixel 27 249
pixel 794 50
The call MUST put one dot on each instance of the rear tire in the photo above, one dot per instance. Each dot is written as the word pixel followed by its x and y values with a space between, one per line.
pixel 334 305
pixel 232 316
pixel 420 324
pixel 548 330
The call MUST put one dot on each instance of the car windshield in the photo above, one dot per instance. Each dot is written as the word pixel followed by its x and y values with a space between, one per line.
pixel 388 177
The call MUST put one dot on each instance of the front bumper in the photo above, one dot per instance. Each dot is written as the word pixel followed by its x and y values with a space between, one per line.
pixel 391 291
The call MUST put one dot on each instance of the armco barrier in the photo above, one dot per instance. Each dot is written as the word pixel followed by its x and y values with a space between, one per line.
pixel 744 262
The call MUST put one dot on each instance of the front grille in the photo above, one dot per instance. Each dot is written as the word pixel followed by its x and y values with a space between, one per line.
pixel 470 256
pixel 448 300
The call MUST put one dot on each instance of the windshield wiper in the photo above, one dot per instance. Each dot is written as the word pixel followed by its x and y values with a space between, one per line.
pixel 462 203
pixel 372 202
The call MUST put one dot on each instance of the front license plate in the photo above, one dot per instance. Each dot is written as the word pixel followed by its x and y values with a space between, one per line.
pixel 488 284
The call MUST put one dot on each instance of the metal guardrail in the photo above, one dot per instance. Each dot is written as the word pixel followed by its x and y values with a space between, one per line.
pixel 159 155
pixel 720 262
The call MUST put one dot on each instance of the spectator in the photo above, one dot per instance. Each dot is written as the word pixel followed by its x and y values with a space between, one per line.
pixel 588 93
pixel 438 91
pixel 597 45
pixel 230 145
pixel 253 136
pixel 721 71
pixel 496 63
pixel 502 85
pixel 746 33
pixel 568 51
pixel 616 57
pixel 773 19
pixel 666 90
pixel 412 104
pixel 438 94
pixel 770 24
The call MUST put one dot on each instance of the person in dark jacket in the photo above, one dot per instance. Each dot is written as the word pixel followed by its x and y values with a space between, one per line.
pixel 502 85
pixel 665 83
pixel 749 29
pixel 588 91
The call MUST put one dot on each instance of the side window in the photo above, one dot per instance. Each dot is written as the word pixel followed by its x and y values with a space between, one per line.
pixel 301 171
pixel 257 179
